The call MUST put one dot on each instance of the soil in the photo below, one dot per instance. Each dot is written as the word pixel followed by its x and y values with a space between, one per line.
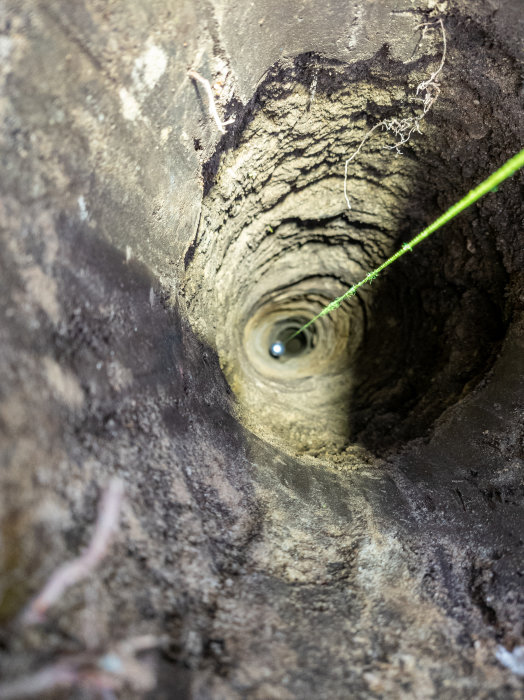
pixel 346 522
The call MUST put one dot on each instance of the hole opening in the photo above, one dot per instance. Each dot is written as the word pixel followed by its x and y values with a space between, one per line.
pixel 283 346
pixel 277 243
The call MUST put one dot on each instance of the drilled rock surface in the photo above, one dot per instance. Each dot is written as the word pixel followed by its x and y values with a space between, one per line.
pixel 372 545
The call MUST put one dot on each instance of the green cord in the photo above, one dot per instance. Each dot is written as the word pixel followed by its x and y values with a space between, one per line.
pixel 491 183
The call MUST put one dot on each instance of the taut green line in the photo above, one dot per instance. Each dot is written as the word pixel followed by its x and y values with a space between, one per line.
pixel 507 170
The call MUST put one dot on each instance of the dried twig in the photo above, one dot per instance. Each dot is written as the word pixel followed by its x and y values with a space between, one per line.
pixel 212 107
pixel 72 572
pixel 404 128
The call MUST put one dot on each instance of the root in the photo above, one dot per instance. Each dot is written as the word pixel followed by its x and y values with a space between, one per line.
pixel 404 128
pixel 74 571
pixel 212 106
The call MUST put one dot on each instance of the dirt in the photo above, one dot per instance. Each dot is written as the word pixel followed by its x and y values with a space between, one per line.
pixel 348 522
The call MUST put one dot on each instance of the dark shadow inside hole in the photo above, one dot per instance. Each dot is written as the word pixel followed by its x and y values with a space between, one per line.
pixel 285 344
pixel 296 345
pixel 434 327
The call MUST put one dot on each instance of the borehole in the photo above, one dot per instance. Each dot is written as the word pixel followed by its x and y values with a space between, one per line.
pixel 276 242
pixel 287 343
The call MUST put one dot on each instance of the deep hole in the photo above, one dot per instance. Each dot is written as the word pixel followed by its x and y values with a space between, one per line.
pixel 382 368
pixel 298 345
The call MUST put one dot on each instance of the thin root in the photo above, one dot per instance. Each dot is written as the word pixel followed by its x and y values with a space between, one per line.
pixel 404 128
pixel 72 572
pixel 212 107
